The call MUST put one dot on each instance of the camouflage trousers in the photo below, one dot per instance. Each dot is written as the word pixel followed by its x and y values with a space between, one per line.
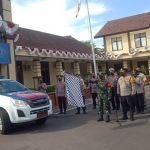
pixel 104 105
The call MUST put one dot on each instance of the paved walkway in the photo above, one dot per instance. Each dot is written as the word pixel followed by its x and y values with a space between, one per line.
pixel 82 132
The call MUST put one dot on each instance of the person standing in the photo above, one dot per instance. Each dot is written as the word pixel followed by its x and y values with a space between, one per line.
pixel 41 86
pixel 144 80
pixel 113 81
pixel 61 94
pixel 126 89
pixel 93 87
pixel 104 95
pixel 83 95
pixel 139 93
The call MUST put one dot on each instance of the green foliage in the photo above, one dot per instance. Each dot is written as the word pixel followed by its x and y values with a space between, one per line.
pixel 50 89
pixel 143 69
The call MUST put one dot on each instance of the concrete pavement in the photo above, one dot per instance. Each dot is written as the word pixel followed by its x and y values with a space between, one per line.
pixel 82 132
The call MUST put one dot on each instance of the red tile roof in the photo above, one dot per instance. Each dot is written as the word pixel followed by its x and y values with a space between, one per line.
pixel 41 40
pixel 128 24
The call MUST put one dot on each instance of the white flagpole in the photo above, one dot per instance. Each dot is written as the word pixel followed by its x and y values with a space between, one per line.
pixel 93 53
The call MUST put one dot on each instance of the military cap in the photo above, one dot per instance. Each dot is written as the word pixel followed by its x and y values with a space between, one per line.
pixel 125 70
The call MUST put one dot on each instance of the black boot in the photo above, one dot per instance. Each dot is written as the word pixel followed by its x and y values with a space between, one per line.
pixel 84 111
pixel 107 118
pixel 61 112
pixel 124 116
pixel 78 111
pixel 101 118
pixel 131 116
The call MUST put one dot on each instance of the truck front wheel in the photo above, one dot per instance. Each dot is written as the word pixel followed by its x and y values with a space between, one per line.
pixel 5 123
pixel 41 121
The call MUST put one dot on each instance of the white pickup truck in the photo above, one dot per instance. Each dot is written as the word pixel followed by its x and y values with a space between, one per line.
pixel 19 104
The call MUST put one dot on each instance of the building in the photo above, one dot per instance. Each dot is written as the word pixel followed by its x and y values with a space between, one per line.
pixel 127 42
pixel 6 26
pixel 47 55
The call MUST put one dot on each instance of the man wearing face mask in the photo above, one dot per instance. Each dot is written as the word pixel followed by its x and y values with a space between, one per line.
pixel 93 87
pixel 144 80
pixel 139 93
pixel 61 94
pixel 113 81
pixel 104 94
pixel 126 89
pixel 41 86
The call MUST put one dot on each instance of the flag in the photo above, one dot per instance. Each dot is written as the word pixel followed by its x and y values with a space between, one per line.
pixel 73 90
pixel 78 6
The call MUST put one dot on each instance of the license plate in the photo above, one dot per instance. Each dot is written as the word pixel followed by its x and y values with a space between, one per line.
pixel 42 114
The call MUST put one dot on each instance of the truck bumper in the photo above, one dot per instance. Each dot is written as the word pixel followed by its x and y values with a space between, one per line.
pixel 28 114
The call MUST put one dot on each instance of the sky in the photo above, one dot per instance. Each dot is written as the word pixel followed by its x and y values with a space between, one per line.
pixel 58 16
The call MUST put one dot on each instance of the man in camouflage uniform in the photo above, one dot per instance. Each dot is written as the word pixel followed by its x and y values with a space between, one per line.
pixel 104 94
pixel 126 90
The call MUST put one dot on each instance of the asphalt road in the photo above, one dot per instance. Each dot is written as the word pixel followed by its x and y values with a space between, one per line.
pixel 81 132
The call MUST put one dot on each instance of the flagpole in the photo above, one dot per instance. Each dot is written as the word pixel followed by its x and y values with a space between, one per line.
pixel 93 53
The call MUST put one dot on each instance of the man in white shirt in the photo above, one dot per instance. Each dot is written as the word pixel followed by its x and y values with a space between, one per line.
pixel 144 80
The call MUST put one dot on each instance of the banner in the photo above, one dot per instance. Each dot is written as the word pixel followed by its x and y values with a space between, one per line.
pixel 5 57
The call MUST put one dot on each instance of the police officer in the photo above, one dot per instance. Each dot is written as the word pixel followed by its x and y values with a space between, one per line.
pixel 83 95
pixel 139 93
pixel 113 81
pixel 144 80
pixel 104 94
pixel 93 87
pixel 41 86
pixel 61 94
pixel 126 89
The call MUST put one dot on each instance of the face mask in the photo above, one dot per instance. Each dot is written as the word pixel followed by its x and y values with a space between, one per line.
pixel 59 79
pixel 41 81
pixel 112 73
pixel 122 74
pixel 93 76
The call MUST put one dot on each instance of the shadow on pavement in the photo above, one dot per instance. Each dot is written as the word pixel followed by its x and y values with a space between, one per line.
pixel 56 123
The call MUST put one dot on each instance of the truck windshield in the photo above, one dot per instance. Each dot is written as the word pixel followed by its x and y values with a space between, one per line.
pixel 9 86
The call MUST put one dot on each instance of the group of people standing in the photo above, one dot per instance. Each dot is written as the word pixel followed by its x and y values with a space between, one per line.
pixel 108 92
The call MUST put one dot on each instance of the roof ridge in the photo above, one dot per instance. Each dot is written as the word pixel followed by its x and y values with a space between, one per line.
pixel 129 16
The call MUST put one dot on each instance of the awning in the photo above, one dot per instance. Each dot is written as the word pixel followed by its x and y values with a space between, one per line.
pixel 8 27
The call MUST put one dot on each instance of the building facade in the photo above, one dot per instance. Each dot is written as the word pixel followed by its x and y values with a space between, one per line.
pixel 127 42
pixel 8 70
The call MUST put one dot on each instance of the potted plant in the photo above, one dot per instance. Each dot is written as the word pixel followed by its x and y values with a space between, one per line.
pixel 87 92
pixel 51 93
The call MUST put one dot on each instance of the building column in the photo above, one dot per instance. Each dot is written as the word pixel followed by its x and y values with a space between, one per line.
pixel 76 68
pixel 97 67
pixel 36 71
pixel 59 68
pixel 9 71
pixel 104 66
pixel 89 67
pixel 125 64
pixel 149 66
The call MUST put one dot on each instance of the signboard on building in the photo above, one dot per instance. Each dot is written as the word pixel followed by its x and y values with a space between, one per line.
pixel 5 57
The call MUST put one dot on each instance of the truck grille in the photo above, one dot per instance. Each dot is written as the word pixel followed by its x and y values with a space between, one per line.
pixel 39 110
pixel 38 102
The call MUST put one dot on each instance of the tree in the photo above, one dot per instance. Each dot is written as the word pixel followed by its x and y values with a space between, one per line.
pixel 89 44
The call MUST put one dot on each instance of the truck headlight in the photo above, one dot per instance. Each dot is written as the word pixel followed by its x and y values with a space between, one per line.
pixel 19 103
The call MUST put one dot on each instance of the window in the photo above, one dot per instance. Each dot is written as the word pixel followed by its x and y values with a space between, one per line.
pixel 8 86
pixel 116 44
pixel 140 40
